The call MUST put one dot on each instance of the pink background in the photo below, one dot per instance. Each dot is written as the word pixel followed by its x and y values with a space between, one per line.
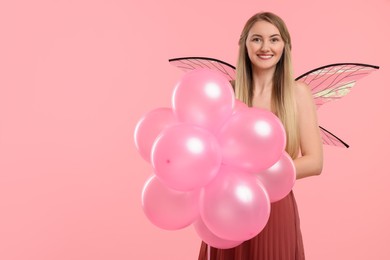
pixel 75 77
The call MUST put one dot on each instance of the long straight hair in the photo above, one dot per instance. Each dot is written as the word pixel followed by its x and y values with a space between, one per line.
pixel 282 98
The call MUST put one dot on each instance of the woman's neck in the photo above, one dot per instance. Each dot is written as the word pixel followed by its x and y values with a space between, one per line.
pixel 262 80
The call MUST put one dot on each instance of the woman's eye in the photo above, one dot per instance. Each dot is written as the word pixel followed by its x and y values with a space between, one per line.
pixel 256 39
pixel 274 40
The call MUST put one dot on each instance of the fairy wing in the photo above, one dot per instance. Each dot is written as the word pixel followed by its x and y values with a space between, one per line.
pixel 334 81
pixel 327 83
pixel 191 63
pixel 330 139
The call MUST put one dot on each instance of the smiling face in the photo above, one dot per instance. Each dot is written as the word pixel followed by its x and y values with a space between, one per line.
pixel 264 45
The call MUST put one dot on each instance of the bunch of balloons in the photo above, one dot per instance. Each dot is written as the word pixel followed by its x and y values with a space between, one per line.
pixel 217 163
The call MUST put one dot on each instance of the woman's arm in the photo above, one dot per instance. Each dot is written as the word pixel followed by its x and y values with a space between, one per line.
pixel 310 163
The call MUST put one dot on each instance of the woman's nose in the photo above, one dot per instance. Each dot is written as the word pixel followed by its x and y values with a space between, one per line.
pixel 264 46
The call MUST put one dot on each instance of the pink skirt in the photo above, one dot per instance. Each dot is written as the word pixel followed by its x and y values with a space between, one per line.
pixel 281 239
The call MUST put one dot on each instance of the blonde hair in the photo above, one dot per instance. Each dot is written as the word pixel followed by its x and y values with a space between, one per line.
pixel 282 97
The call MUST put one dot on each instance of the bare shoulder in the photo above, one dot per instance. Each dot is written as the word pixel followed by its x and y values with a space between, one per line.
pixel 302 91
pixel 303 95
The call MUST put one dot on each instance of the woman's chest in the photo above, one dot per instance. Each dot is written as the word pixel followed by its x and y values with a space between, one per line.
pixel 263 101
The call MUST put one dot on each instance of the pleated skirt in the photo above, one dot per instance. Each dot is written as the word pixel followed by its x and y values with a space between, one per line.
pixel 281 238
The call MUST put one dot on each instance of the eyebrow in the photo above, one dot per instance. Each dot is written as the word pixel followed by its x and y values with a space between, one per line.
pixel 273 35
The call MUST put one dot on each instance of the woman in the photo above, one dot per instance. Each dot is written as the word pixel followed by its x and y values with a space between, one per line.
pixel 265 79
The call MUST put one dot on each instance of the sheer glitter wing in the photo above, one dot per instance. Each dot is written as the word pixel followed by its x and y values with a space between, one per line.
pixel 191 63
pixel 328 83
pixel 334 81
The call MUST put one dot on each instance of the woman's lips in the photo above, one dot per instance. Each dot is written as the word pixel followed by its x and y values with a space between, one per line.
pixel 265 56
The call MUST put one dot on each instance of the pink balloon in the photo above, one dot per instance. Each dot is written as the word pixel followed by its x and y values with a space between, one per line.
pixel 211 239
pixel 239 106
pixel 186 157
pixel 253 139
pixel 167 208
pixel 279 179
pixel 149 127
pixel 234 206
pixel 203 97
